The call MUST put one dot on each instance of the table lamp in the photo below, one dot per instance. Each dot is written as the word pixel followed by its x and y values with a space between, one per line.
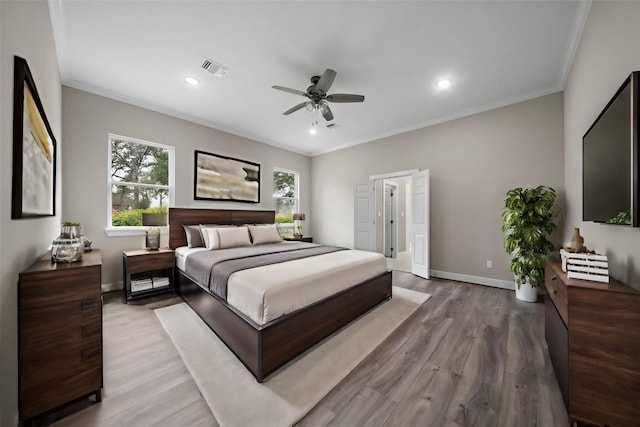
pixel 297 217
pixel 152 236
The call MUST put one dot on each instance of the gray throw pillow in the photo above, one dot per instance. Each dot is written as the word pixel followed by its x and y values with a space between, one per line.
pixel 194 237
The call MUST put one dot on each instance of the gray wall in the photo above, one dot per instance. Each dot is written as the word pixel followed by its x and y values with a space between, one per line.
pixel 473 161
pixel 608 52
pixel 88 119
pixel 21 241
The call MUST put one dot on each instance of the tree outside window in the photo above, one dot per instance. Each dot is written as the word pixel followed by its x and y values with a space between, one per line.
pixel 140 178
pixel 285 193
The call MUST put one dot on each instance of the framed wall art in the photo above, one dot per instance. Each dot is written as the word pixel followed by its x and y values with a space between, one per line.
pixel 225 178
pixel 34 150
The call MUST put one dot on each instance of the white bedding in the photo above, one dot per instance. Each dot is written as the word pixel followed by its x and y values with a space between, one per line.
pixel 268 292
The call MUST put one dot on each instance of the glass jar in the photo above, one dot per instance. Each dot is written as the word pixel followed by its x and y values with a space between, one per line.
pixel 152 239
pixel 66 250
pixel 69 245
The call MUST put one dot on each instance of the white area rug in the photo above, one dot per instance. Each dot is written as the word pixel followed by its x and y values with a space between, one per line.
pixel 234 396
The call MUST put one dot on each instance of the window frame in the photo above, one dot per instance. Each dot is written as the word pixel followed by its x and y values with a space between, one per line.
pixel 296 186
pixel 115 231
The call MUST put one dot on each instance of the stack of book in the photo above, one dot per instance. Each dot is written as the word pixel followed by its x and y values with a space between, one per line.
pixel 160 282
pixel 585 266
pixel 141 284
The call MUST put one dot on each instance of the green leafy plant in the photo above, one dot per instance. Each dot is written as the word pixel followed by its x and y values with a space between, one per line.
pixel 527 220
pixel 133 217
pixel 282 218
pixel 622 218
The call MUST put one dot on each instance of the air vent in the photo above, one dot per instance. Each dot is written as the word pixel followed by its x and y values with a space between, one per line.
pixel 331 125
pixel 214 68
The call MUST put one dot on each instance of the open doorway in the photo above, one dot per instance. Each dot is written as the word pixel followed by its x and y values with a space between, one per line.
pixel 393 225
pixel 405 218
pixel 389 219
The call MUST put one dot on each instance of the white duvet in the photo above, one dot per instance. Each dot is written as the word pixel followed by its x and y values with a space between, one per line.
pixel 266 293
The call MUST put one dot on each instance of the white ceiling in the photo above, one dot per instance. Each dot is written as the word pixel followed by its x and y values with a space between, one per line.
pixel 495 52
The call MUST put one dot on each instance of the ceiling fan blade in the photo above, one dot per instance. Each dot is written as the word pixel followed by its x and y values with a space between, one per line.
pixel 294 109
pixel 294 91
pixel 344 97
pixel 326 80
pixel 326 113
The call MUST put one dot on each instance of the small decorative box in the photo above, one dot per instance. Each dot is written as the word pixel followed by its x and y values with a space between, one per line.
pixel 585 266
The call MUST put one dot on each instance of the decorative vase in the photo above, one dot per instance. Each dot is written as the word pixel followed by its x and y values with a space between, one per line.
pixel 577 241
pixel 526 292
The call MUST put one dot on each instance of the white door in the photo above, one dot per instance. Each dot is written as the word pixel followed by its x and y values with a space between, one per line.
pixel 364 217
pixel 420 224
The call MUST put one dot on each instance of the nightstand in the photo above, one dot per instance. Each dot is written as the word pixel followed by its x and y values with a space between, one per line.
pixel 146 273
pixel 299 239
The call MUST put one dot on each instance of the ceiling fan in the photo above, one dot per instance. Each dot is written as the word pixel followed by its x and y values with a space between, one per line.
pixel 318 97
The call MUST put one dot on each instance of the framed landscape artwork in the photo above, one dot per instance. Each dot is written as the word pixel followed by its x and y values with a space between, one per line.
pixel 34 150
pixel 225 178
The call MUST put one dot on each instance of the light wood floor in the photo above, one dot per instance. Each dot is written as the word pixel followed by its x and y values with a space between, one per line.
pixel 471 356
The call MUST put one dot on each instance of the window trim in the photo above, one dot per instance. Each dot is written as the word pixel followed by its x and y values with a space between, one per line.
pixel 112 231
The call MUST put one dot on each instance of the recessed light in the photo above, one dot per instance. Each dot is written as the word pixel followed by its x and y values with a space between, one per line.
pixel 191 80
pixel 443 83
pixel 313 131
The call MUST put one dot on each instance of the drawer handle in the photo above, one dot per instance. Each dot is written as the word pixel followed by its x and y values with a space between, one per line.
pixel 554 278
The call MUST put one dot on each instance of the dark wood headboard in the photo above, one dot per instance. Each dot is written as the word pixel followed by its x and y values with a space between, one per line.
pixel 188 216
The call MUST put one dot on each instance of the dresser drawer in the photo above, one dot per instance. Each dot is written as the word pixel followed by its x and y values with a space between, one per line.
pixel 60 354
pixel 43 393
pixel 558 293
pixel 41 289
pixel 59 331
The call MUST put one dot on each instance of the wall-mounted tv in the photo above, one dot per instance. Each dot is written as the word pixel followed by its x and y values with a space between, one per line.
pixel 610 159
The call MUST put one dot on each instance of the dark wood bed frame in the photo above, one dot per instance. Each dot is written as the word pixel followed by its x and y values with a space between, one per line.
pixel 265 348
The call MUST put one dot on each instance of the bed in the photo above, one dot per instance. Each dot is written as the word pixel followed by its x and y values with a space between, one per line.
pixel 265 347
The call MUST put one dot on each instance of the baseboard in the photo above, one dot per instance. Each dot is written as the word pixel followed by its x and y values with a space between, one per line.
pixel 110 287
pixel 496 283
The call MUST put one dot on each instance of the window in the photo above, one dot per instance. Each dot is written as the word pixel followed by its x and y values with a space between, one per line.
pixel 285 193
pixel 141 176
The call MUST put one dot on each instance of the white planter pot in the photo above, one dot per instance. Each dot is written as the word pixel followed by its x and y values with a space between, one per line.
pixel 526 292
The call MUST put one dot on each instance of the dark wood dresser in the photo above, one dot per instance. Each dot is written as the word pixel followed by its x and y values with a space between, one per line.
pixel 593 335
pixel 59 333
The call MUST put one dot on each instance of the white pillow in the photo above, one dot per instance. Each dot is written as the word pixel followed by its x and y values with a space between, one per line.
pixel 261 234
pixel 210 237
pixel 233 237
pixel 205 236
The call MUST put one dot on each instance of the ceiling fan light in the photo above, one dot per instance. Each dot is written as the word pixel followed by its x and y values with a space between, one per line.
pixel 443 83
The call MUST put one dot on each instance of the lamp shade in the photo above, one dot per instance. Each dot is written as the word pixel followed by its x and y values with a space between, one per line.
pixel 298 217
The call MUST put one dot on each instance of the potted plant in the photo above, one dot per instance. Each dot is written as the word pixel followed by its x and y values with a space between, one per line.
pixel 527 220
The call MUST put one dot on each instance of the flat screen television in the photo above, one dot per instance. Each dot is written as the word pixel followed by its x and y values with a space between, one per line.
pixel 610 159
